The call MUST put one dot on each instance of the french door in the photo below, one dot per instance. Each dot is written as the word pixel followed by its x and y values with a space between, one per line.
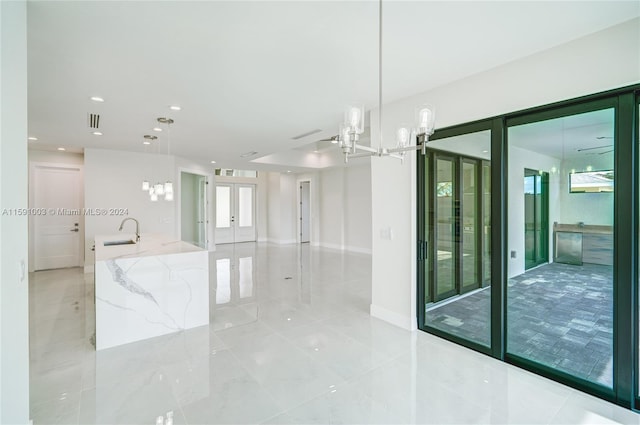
pixel 235 213
pixel 456 205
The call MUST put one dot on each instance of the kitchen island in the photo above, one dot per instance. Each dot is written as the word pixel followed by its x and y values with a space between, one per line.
pixel 153 287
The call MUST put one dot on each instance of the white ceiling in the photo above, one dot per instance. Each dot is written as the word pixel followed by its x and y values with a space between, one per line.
pixel 249 76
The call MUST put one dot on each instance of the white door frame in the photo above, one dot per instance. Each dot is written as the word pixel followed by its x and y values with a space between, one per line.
pixel 209 208
pixel 33 165
pixel 299 213
pixel 235 186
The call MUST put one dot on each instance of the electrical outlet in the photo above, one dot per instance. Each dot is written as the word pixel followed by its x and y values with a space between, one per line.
pixel 513 254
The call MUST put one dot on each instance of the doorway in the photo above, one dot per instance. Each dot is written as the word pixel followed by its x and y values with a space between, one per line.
pixel 235 213
pixel 193 209
pixel 536 218
pixel 305 211
pixel 58 224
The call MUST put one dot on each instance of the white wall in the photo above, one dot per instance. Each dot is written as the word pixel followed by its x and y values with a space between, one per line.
pixel 14 298
pixel 332 208
pixel 36 155
pixel 273 208
pixel 113 179
pixel 357 200
pixel 262 207
pixel 519 159
pixel 340 207
pixel 570 70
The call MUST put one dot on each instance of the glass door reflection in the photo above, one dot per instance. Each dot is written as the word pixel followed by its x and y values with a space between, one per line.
pixel 234 285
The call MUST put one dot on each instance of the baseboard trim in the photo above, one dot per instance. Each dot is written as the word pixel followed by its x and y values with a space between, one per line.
pixel 394 318
pixel 337 247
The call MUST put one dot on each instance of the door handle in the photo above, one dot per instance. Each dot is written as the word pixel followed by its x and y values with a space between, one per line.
pixel 75 230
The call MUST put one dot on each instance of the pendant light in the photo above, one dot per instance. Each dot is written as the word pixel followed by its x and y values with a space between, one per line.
pixel 148 139
pixel 166 189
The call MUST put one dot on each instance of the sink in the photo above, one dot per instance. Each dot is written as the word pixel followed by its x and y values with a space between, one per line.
pixel 123 242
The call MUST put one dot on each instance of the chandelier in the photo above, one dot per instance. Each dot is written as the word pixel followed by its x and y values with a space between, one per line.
pixel 407 138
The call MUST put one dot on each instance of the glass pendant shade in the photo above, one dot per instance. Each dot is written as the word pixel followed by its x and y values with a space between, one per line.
pixel 168 196
pixel 145 185
pixel 168 188
pixel 403 136
pixel 426 119
pixel 159 189
pixel 151 191
pixel 354 118
pixel 154 197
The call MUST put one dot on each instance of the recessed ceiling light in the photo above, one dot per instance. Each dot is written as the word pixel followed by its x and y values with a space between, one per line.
pixel 288 171
pixel 97 133
pixel 32 138
pixel 146 142
pixel 61 149
pixel 485 151
pixel 97 99
pixel 157 129
pixel 175 108
pixel 316 151
pixel 213 162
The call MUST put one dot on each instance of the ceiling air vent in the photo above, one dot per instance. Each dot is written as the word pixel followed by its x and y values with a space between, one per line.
pixel 93 120
pixel 308 133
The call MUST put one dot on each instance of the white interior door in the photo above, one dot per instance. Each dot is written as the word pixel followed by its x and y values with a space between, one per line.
pixel 235 213
pixel 57 190
pixel 305 212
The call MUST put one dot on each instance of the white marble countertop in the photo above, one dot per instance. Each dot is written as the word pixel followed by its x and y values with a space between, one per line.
pixel 150 244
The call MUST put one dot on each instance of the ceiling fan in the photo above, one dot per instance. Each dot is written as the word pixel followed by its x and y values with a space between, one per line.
pixel 597 147
pixel 332 139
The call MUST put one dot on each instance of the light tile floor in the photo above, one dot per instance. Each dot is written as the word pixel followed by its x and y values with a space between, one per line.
pixel 290 341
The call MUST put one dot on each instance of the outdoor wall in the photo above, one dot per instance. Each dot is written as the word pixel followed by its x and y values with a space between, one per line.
pixel 589 208
pixel 542 78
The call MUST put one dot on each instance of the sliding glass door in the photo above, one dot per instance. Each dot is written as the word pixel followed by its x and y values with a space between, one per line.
pixel 528 240
pixel 456 246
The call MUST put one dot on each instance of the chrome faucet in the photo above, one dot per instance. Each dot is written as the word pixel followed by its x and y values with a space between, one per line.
pixel 137 227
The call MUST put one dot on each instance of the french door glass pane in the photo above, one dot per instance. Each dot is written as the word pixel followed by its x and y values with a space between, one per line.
pixel 469 218
pixel 445 227
pixel 486 220
pixel 223 206
pixel 560 306
pixel 245 206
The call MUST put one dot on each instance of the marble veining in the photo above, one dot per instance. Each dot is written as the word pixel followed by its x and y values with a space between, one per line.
pixel 119 276
pixel 152 295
